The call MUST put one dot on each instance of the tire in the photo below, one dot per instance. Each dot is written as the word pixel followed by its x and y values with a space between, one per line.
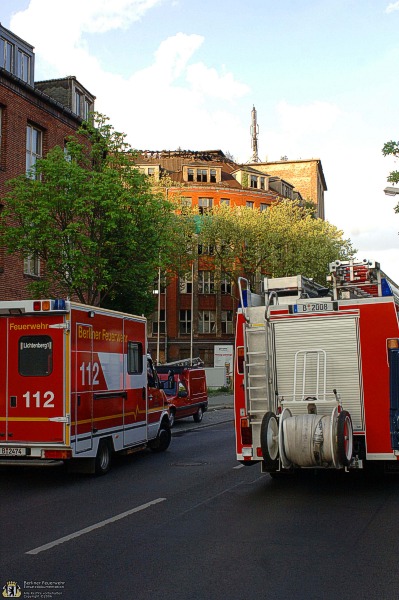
pixel 163 438
pixel 198 415
pixel 344 438
pixel 172 418
pixel 269 440
pixel 103 458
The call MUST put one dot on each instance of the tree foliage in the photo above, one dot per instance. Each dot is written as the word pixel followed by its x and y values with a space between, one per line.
pixel 92 218
pixel 284 240
pixel 392 149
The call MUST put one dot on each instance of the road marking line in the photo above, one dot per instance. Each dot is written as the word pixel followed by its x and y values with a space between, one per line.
pixel 76 534
pixel 239 467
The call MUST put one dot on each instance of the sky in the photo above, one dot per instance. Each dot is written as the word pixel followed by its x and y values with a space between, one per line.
pixel 322 75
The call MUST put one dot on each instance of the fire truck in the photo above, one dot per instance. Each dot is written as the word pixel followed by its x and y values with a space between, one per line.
pixel 76 385
pixel 317 372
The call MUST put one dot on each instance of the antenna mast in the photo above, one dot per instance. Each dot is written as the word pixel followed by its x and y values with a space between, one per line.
pixel 254 136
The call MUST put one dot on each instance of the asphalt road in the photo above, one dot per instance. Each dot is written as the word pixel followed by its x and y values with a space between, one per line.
pixel 192 524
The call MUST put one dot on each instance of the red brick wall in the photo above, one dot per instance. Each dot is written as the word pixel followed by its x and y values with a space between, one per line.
pixel 20 107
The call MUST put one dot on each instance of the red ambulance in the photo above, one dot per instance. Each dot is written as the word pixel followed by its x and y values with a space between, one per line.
pixel 76 385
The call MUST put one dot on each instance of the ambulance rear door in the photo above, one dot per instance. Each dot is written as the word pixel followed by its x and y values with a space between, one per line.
pixel 34 397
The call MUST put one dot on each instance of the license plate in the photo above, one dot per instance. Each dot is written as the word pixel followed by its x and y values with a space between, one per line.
pixel 312 307
pixel 12 451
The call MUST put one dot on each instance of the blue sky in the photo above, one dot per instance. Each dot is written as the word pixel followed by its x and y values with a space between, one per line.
pixel 322 75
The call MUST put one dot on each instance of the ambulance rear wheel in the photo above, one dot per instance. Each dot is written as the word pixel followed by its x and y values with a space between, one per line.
pixel 344 438
pixel 103 458
pixel 269 440
pixel 198 415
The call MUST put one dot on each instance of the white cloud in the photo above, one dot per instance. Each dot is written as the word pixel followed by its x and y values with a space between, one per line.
pixel 392 7
pixel 208 81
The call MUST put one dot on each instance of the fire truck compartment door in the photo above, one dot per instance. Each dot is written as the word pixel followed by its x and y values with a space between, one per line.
pixel 338 337
pixel 394 396
pixel 33 404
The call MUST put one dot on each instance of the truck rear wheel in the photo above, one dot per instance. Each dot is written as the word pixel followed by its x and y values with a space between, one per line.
pixel 198 415
pixel 103 458
pixel 344 438
pixel 269 440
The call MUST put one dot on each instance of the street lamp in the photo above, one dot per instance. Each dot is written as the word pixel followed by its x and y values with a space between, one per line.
pixel 391 191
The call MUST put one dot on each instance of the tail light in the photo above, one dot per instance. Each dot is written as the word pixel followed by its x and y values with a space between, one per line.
pixel 246 432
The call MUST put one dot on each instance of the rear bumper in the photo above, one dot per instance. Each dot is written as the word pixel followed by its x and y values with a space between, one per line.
pixel 30 462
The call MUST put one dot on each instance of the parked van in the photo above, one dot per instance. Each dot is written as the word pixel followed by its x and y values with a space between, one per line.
pixel 184 384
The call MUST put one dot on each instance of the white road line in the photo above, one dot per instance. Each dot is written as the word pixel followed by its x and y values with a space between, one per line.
pixel 239 467
pixel 71 536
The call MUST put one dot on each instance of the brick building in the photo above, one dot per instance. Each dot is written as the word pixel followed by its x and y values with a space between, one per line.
pixel 34 117
pixel 306 175
pixel 196 313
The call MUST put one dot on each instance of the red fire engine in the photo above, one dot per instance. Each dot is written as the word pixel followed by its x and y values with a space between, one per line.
pixel 76 385
pixel 317 372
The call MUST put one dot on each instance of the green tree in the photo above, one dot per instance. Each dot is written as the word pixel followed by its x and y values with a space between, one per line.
pixel 392 149
pixel 91 217
pixel 284 240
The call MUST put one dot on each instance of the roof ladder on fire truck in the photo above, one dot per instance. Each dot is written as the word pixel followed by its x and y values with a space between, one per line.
pixel 256 369
pixel 256 356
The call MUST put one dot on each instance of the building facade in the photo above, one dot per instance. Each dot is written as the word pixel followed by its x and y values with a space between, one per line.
pixel 33 119
pixel 306 176
pixel 197 312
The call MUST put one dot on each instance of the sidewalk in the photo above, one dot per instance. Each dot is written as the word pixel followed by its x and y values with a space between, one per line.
pixel 224 400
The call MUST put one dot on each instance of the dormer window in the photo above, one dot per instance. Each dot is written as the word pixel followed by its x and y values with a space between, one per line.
pixel 16 56
pixel 6 55
pixel 254 181
pixel 202 174
pixel 83 104
pixel 23 66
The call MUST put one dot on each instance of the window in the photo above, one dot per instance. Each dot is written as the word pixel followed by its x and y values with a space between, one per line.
pixel 202 249
pixel 33 149
pixel 185 321
pixel 134 358
pixel 206 321
pixel 212 176
pixel 249 204
pixel 263 207
pixel 225 285
pixel 202 175
pixel 78 103
pixel 186 204
pixel 227 321
pixel 32 265
pixel 206 283
pixel 190 174
pixel 6 55
pixel 204 205
pixel 185 284
pixel 35 356
pixel 262 183
pixel 162 322
pixel 254 181
pixel 225 201
pixel 151 171
pixel 86 109
pixel 23 66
